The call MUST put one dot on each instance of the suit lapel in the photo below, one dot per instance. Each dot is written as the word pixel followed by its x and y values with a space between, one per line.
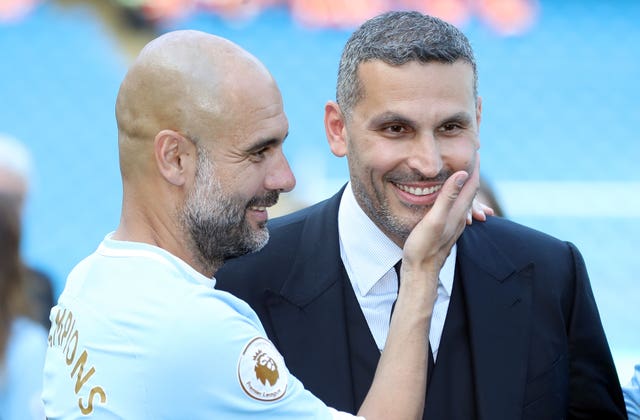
pixel 308 312
pixel 316 266
pixel 499 301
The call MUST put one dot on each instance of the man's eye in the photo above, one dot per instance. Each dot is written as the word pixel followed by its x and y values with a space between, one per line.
pixel 257 156
pixel 450 127
pixel 395 129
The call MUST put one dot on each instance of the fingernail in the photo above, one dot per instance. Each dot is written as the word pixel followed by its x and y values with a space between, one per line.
pixel 461 180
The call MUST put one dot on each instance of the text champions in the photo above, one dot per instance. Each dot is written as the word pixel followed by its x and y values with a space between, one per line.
pixel 65 336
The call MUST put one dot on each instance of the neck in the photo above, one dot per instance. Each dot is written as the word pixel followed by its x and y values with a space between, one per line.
pixel 176 245
pixel 153 226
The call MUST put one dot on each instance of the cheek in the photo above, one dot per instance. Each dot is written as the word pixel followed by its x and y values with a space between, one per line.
pixel 382 157
pixel 371 167
pixel 247 180
pixel 373 157
pixel 459 155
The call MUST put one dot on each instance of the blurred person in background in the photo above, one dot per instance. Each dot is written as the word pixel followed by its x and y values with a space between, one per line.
pixel 487 196
pixel 515 332
pixel 632 395
pixel 23 342
pixel 15 179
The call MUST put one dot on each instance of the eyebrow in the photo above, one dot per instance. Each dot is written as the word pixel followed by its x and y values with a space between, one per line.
pixel 459 117
pixel 391 117
pixel 266 143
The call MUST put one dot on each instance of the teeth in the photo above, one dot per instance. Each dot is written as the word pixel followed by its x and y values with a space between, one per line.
pixel 419 191
pixel 258 208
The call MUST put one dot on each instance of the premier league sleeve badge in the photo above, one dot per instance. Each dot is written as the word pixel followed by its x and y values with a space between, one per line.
pixel 261 371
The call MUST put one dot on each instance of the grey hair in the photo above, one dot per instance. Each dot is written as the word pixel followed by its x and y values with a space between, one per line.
pixel 397 38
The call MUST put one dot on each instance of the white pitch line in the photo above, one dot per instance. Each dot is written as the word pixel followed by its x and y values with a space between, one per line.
pixel 561 198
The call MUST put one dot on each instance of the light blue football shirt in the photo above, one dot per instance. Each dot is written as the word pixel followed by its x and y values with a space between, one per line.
pixel 139 334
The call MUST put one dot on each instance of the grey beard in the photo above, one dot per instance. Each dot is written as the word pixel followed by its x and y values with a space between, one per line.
pixel 222 232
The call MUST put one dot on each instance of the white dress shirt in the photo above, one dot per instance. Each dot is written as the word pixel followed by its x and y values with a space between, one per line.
pixel 368 256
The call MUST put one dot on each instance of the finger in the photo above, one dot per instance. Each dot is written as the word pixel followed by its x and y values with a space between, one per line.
pixel 488 210
pixel 449 195
pixel 463 202
pixel 478 210
pixel 443 224
pixel 457 194
pixel 439 227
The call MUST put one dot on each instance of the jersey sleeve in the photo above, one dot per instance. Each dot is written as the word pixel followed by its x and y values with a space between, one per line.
pixel 222 365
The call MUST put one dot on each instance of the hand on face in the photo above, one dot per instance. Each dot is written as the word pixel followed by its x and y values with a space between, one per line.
pixel 431 240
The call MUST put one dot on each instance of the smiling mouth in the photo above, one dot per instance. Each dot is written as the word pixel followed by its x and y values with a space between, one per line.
pixel 257 208
pixel 418 191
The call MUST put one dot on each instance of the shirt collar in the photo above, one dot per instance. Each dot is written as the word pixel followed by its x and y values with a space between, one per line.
pixel 367 253
pixel 117 248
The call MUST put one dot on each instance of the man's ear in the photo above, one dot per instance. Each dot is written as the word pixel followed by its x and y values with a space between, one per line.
pixel 335 128
pixel 175 156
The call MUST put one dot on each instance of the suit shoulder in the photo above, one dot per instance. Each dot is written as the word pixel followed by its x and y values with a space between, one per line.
pixel 499 227
pixel 269 264
pixel 298 216
pixel 518 241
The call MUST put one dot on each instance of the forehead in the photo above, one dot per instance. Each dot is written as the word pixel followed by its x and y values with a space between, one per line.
pixel 432 83
pixel 260 117
pixel 251 114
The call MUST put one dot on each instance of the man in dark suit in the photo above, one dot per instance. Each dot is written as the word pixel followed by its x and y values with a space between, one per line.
pixel 515 332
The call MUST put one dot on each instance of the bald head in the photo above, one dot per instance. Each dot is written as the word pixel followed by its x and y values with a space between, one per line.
pixel 184 81
pixel 200 130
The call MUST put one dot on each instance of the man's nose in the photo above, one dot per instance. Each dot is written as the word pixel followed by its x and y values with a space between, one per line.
pixel 425 156
pixel 280 177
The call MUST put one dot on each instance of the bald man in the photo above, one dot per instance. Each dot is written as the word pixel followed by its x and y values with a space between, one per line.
pixel 140 330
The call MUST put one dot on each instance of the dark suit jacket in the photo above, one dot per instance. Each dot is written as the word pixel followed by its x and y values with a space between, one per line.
pixel 537 345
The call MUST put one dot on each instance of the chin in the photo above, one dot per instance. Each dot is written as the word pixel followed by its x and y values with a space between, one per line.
pixel 260 239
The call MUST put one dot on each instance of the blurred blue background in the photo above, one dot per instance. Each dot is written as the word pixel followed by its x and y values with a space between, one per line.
pixel 559 135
